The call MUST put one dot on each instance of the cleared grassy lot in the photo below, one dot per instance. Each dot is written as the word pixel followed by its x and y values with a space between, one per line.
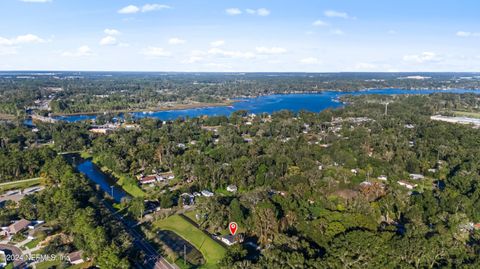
pixel 128 184
pixel 212 251
pixel 20 184
pixel 467 114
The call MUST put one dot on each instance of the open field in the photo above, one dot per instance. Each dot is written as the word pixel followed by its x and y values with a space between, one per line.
pixel 212 251
pixel 467 114
pixel 128 185
pixel 19 184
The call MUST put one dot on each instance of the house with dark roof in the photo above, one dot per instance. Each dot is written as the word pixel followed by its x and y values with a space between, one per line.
pixel 230 240
pixel 18 226
pixel 76 257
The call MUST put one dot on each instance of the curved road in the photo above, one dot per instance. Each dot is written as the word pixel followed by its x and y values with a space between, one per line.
pixel 16 252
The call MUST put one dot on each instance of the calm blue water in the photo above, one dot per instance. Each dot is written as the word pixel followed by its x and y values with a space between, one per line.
pixel 315 102
pixel 91 171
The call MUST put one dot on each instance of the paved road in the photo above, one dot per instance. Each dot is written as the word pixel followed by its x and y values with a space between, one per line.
pixel 18 262
pixel 154 260
pixel 17 195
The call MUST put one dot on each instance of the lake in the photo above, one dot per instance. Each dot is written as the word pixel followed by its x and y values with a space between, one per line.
pixel 314 102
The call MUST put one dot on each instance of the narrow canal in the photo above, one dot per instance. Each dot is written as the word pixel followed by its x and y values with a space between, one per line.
pixel 97 177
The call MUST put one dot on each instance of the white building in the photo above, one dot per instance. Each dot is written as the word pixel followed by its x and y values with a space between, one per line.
pixel 382 177
pixel 417 176
pixel 232 188
pixel 207 193
pixel 406 184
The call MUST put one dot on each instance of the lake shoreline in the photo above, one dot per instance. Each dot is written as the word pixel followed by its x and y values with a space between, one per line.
pixel 172 108
pixel 268 103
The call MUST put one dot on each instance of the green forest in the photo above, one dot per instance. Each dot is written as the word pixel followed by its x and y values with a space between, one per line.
pixel 315 190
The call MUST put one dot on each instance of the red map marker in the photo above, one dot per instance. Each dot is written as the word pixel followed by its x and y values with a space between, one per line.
pixel 233 227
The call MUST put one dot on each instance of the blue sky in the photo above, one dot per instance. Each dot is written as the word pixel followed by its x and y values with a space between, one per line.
pixel 242 35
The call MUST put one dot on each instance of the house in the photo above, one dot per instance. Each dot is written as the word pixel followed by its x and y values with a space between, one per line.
pixel 181 145
pixel 187 199
pixel 230 240
pixel 101 130
pixel 166 176
pixel 35 224
pixel 76 257
pixel 416 176
pixel 18 226
pixel 406 184
pixel 365 184
pixel 382 177
pixel 354 171
pixel 148 179
pixel 207 193
pixel 232 188
pixel 432 170
pixel 248 140
pixel 197 194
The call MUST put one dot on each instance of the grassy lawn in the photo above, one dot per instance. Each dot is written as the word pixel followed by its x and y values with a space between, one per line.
pixel 467 114
pixel 19 185
pixel 33 243
pixel 48 264
pixel 128 184
pixel 85 154
pixel 212 251
pixel 191 215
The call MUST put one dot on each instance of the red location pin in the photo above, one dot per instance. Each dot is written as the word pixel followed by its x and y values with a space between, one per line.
pixel 233 227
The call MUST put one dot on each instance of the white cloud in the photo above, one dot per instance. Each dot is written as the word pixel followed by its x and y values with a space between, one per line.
pixel 319 23
pixel 154 7
pixel 272 50
pixel 36 1
pixel 337 14
pixel 111 32
pixel 233 11
pixel 217 43
pixel 260 12
pixel 21 39
pixel 263 12
pixel 176 41
pixel 310 60
pixel 80 52
pixel 337 32
pixel 156 52
pixel 467 34
pixel 193 59
pixel 108 41
pixel 424 57
pixel 132 9
pixel 231 54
